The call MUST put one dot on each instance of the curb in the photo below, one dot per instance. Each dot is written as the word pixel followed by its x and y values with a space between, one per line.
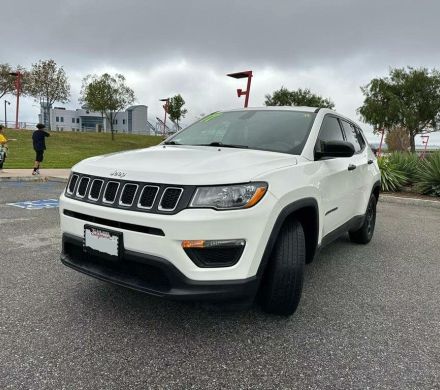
pixel 409 201
pixel 34 178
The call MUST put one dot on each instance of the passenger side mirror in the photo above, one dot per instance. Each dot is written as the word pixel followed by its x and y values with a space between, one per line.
pixel 334 149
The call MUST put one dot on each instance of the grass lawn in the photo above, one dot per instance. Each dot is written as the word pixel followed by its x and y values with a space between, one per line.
pixel 65 149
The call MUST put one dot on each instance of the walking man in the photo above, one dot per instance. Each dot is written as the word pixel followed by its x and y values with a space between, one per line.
pixel 39 141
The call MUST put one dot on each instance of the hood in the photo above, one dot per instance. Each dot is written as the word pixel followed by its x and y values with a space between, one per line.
pixel 186 165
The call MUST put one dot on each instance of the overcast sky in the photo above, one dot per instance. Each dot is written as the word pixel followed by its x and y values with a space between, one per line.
pixel 187 46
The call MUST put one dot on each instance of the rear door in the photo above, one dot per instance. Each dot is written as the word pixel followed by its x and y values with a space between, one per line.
pixel 336 180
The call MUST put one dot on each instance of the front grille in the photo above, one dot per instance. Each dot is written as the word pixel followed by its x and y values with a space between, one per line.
pixel 95 189
pixel 72 183
pixel 148 196
pixel 110 191
pixel 82 188
pixel 170 198
pixel 129 195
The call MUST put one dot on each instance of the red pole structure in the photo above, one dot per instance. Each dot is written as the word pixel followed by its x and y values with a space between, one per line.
pixel 241 75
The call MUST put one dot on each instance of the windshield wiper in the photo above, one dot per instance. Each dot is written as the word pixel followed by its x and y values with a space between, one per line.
pixel 221 144
pixel 171 143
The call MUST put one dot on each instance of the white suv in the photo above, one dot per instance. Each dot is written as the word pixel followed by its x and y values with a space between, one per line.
pixel 232 206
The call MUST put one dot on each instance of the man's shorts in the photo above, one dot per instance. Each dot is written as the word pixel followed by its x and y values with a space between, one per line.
pixel 39 155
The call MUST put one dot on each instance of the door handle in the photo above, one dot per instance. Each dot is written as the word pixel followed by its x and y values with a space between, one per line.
pixel 370 162
pixel 351 167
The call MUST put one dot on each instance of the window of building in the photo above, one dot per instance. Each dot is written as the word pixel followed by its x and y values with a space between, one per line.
pixel 62 119
pixel 115 121
pixel 123 121
pixel 57 119
pixel 77 120
pixel 73 120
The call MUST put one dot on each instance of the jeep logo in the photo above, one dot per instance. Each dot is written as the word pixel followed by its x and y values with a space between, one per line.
pixel 117 173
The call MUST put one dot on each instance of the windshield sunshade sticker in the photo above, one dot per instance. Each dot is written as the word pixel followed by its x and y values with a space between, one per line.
pixel 211 117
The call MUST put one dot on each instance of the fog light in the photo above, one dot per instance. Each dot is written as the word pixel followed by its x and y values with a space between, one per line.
pixel 214 253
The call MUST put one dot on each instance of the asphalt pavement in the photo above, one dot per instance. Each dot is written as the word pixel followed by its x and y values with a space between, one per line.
pixel 369 317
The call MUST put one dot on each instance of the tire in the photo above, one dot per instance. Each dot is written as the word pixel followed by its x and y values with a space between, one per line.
pixel 281 289
pixel 365 233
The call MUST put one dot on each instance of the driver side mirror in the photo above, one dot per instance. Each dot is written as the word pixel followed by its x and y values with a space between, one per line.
pixel 334 149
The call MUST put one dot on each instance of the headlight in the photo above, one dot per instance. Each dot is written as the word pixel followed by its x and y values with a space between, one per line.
pixel 237 196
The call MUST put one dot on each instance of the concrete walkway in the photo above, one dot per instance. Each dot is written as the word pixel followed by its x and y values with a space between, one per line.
pixel 26 175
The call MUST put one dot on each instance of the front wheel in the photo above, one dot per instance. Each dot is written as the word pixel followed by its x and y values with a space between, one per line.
pixel 365 233
pixel 283 279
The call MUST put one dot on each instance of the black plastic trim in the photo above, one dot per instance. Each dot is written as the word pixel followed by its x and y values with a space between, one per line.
pixel 353 224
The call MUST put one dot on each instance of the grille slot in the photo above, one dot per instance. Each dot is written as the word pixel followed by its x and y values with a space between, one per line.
pixel 170 198
pixel 128 194
pixel 95 189
pixel 110 192
pixel 148 196
pixel 82 188
pixel 72 184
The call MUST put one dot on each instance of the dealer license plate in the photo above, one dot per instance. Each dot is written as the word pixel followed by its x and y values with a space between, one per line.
pixel 102 242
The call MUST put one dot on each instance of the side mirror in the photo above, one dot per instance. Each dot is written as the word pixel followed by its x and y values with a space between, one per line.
pixel 334 149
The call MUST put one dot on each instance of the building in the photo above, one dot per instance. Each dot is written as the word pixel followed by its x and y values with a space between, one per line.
pixel 133 120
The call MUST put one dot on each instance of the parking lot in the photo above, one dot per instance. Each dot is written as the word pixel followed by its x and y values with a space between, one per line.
pixel 369 316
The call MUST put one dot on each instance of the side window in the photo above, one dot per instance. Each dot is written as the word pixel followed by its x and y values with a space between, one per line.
pixel 360 137
pixel 330 130
pixel 351 134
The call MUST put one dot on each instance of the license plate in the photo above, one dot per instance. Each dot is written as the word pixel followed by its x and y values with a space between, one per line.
pixel 102 242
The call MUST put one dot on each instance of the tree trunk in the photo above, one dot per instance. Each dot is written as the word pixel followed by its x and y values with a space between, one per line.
pixel 412 141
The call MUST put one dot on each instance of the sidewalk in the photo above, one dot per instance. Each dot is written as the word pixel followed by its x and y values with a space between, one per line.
pixel 26 175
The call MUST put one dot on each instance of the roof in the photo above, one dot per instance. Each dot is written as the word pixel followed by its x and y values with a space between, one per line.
pixel 131 108
pixel 276 108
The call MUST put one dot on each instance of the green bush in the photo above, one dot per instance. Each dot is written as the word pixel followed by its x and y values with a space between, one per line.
pixel 428 175
pixel 407 163
pixel 392 177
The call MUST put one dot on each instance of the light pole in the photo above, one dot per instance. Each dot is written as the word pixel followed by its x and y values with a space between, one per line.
pixel 18 88
pixel 242 75
pixel 165 107
pixel 6 118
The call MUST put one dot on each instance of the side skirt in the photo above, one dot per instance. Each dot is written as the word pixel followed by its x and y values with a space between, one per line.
pixel 353 224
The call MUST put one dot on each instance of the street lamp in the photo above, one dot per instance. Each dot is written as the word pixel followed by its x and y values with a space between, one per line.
pixel 242 75
pixel 165 107
pixel 6 118
pixel 18 88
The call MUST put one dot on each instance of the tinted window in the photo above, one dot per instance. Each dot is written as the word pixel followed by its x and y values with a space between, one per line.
pixel 351 134
pixel 276 131
pixel 330 130
pixel 360 137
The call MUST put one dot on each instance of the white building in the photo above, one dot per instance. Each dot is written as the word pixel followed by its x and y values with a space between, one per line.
pixel 133 120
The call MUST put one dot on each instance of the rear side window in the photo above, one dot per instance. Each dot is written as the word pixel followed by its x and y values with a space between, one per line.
pixel 352 135
pixel 360 137
pixel 330 130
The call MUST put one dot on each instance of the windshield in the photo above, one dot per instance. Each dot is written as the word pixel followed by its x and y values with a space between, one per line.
pixel 275 131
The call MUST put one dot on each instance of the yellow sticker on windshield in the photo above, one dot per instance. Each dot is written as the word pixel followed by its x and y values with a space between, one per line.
pixel 211 116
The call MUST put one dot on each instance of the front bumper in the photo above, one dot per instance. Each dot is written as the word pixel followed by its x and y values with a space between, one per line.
pixel 153 275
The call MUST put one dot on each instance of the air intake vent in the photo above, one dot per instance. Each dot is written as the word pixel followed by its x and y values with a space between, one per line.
pixel 110 192
pixel 170 198
pixel 95 189
pixel 128 194
pixel 72 184
pixel 148 196
pixel 82 188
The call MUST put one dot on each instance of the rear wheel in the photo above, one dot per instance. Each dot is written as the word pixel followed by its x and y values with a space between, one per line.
pixel 282 284
pixel 365 233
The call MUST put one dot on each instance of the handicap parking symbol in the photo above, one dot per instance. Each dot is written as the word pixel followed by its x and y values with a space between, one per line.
pixel 36 204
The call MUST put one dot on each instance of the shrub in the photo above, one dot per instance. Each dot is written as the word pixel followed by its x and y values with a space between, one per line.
pixel 392 177
pixel 428 173
pixel 406 163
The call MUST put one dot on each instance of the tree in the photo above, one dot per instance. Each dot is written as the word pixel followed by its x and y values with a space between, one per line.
pixel 175 110
pixel 106 94
pixel 300 97
pixel 397 140
pixel 408 98
pixel 47 83
pixel 7 81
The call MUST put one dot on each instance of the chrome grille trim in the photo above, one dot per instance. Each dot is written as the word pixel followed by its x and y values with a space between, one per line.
pixel 177 201
pixel 121 203
pixel 104 200
pixel 85 178
pixel 70 182
pixel 100 189
pixel 154 200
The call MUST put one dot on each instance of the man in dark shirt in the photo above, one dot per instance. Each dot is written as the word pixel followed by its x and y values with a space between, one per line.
pixel 39 141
